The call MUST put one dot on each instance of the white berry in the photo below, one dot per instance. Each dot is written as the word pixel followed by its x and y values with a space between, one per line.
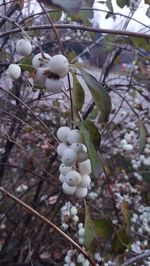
pixel 59 65
pixel 85 167
pixel 73 178
pixel 85 263
pixel 80 258
pixel 62 133
pixel 81 232
pixel 65 169
pixel 68 189
pixel 61 178
pixel 53 85
pixel 81 192
pixel 23 47
pixel 75 218
pixel 82 156
pixel 73 210
pixel 77 147
pixel 61 148
pixel 40 60
pixel 69 157
pixel 85 181
pixel 75 137
pixel 14 71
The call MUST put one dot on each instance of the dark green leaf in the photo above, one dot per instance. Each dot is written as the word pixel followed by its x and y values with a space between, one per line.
pixel 103 228
pixel 126 215
pixel 100 95
pixel 140 43
pixel 92 140
pixel 89 128
pixel 78 95
pixel 142 136
pixel 56 15
pixel 84 15
pixel 120 241
pixel 90 234
pixel 26 64
pixel 122 3
pixel 70 7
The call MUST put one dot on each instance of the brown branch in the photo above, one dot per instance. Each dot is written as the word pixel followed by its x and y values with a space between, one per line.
pixel 80 27
pixel 45 220
pixel 137 258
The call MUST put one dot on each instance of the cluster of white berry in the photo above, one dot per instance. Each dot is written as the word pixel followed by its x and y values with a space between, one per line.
pixel 68 215
pixel 24 48
pixel 75 167
pixel 49 71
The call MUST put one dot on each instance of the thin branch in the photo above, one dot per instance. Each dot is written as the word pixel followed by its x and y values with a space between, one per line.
pixel 79 27
pixel 45 220
pixel 137 258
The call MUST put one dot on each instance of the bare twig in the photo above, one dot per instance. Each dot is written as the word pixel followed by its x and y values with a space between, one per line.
pixel 79 27
pixel 45 220
pixel 137 258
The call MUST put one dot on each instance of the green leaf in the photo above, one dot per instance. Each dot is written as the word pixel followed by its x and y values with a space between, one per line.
pixel 70 7
pixel 103 228
pixel 90 234
pixel 100 95
pixel 78 95
pixel 126 215
pixel 122 3
pixel 120 241
pixel 92 139
pixel 26 64
pixel 140 43
pixel 89 128
pixel 142 136
pixel 84 15
pixel 56 15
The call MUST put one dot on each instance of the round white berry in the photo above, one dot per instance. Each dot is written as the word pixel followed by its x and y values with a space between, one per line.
pixel 14 71
pixel 61 148
pixel 59 64
pixel 81 232
pixel 73 210
pixel 23 47
pixel 53 85
pixel 81 192
pixel 85 263
pixel 62 133
pixel 69 157
pixel 81 240
pixel 61 178
pixel 40 76
pixel 80 225
pixel 85 181
pixel 82 156
pixel 75 218
pixel 77 147
pixel 75 137
pixel 63 74
pixel 73 178
pixel 68 189
pixel 68 259
pixel 65 169
pixel 80 258
pixel 85 167
pixel 40 60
